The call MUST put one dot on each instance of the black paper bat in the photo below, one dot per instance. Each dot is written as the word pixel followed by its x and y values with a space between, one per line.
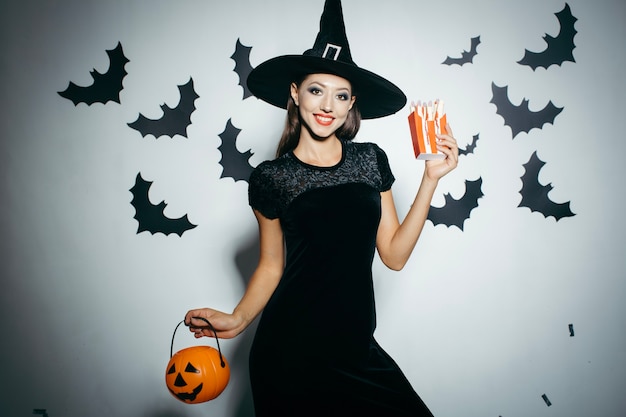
pixel 174 120
pixel 455 212
pixel 559 49
pixel 241 56
pixel 521 118
pixel 470 148
pixel 235 164
pixel 150 216
pixel 535 196
pixel 466 57
pixel 106 87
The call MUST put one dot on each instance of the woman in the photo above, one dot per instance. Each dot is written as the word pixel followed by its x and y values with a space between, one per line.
pixel 324 206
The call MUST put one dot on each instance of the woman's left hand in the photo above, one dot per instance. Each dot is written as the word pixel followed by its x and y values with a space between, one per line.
pixel 435 169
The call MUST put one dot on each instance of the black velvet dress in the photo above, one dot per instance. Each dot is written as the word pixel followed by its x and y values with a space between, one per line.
pixel 314 353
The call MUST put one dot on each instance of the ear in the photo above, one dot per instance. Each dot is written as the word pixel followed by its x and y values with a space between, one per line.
pixel 352 100
pixel 294 93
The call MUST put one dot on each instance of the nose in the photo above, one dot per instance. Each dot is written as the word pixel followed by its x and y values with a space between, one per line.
pixel 326 104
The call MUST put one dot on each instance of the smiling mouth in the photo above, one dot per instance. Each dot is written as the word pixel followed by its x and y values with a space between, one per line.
pixel 188 396
pixel 324 120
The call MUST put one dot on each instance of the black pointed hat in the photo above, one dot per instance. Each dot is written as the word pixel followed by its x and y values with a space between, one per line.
pixel 376 96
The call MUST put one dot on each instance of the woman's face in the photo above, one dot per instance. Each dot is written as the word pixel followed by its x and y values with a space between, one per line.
pixel 323 101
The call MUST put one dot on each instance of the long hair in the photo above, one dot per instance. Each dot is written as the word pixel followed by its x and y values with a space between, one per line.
pixel 291 133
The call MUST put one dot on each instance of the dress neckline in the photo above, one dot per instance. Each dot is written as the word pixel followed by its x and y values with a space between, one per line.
pixel 319 167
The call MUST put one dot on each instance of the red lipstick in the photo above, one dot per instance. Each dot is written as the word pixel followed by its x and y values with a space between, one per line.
pixel 324 120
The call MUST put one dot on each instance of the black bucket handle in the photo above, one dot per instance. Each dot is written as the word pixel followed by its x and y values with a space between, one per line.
pixel 222 363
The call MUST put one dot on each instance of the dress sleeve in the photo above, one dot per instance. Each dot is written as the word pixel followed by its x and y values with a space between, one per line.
pixel 262 192
pixel 387 178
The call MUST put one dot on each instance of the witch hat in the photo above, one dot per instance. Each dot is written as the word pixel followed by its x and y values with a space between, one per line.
pixel 375 96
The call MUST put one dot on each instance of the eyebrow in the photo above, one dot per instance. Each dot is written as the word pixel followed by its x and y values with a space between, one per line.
pixel 346 89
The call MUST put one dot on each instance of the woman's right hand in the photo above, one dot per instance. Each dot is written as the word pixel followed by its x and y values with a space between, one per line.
pixel 226 325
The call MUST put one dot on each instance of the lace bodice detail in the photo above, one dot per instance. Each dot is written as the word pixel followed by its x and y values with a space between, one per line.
pixel 273 185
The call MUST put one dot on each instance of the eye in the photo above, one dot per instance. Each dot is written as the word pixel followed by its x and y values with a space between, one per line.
pixel 315 91
pixel 191 368
pixel 343 97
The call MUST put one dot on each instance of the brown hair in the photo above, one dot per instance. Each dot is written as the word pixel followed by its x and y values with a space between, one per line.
pixel 291 133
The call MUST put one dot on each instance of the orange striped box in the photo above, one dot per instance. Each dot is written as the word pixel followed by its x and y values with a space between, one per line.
pixel 425 122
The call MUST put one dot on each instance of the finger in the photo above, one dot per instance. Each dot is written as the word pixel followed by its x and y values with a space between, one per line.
pixel 189 316
pixel 450 149
pixel 195 322
pixel 446 136
pixel 203 332
pixel 444 144
pixel 447 144
pixel 446 151
pixel 450 143
pixel 208 333
pixel 448 133
pixel 194 318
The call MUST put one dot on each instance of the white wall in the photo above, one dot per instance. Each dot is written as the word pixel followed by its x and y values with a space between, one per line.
pixel 478 319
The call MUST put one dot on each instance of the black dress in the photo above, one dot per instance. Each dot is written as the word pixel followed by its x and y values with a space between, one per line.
pixel 314 353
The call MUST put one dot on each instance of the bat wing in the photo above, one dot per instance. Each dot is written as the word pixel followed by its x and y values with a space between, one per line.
pixel 241 56
pixel 174 120
pixel 521 118
pixel 235 164
pixel 455 212
pixel 150 216
pixel 106 87
pixel 559 49
pixel 470 148
pixel 466 57
pixel 535 195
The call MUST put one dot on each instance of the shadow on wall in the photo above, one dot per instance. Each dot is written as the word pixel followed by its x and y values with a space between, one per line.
pixel 166 413
pixel 241 404
pixel 246 259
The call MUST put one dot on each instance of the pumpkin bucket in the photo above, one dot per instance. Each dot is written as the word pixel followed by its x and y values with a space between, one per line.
pixel 197 374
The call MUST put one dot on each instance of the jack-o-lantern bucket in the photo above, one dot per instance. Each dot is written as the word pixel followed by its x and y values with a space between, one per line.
pixel 197 374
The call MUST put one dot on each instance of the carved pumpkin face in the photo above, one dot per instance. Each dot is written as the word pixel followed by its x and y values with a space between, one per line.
pixel 195 374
